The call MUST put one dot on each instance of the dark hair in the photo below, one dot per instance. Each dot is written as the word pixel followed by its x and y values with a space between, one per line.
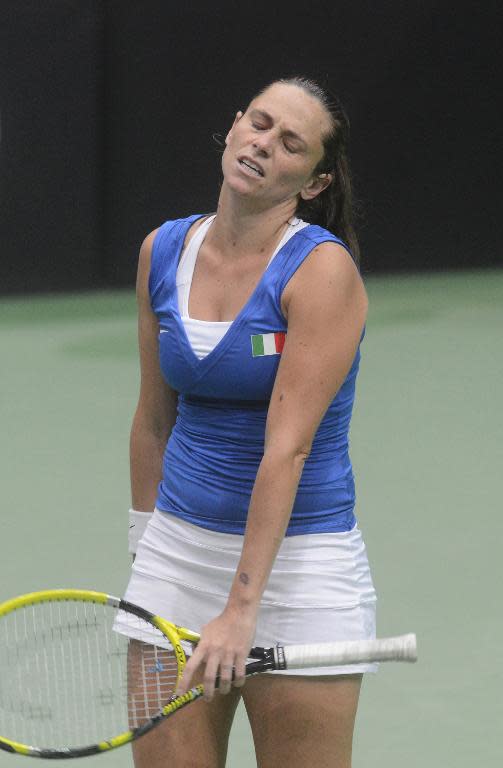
pixel 333 208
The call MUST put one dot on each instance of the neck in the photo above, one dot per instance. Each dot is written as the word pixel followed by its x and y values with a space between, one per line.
pixel 238 228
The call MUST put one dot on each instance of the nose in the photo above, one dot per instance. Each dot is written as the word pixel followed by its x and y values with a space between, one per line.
pixel 263 145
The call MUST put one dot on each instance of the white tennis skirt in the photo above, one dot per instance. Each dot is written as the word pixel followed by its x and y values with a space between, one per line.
pixel 320 588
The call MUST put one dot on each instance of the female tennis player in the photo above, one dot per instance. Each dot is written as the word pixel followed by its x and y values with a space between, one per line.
pixel 250 322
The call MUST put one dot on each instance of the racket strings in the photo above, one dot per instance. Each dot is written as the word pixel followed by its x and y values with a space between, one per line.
pixel 152 677
pixel 70 677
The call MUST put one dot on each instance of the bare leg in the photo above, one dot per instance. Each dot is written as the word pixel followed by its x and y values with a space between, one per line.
pixel 195 737
pixel 298 721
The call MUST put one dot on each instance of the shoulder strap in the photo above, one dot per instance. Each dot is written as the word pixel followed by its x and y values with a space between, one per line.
pixel 165 250
pixel 299 248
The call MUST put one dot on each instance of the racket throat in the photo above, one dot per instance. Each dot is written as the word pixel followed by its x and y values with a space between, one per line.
pixel 265 661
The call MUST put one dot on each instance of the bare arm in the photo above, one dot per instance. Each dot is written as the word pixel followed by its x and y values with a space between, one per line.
pixel 326 305
pixel 155 413
pixel 326 313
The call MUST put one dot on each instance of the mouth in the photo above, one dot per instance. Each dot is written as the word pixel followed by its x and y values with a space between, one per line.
pixel 251 165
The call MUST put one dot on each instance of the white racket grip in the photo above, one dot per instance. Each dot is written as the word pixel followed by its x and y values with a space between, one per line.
pixel 401 648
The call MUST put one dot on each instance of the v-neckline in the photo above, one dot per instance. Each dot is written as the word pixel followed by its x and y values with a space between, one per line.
pixel 224 341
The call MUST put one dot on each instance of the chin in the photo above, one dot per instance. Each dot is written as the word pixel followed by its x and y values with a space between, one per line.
pixel 239 186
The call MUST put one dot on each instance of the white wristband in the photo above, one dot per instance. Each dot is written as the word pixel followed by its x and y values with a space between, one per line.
pixel 137 524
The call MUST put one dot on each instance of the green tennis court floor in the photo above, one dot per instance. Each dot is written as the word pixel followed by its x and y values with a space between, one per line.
pixel 427 450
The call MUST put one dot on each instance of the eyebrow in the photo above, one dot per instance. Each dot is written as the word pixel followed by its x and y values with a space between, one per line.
pixel 287 132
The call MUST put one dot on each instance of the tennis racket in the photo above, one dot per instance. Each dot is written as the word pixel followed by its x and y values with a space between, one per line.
pixel 83 672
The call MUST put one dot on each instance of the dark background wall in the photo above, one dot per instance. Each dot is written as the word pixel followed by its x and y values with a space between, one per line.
pixel 51 156
pixel 108 111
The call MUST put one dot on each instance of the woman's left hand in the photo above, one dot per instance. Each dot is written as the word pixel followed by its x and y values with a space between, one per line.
pixel 222 651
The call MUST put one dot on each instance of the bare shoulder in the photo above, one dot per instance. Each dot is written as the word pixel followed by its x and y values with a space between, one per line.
pixel 146 246
pixel 144 260
pixel 327 277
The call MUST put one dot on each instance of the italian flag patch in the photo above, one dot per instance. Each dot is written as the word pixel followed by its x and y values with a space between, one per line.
pixel 267 344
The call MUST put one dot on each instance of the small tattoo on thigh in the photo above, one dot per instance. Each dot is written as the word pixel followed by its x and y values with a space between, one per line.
pixel 244 578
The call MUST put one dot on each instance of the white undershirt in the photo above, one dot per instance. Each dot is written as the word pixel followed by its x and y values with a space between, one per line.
pixel 204 335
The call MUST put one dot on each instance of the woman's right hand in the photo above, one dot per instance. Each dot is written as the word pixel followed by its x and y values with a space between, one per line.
pixel 221 652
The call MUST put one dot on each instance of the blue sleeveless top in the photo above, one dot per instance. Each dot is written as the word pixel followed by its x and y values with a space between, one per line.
pixel 216 445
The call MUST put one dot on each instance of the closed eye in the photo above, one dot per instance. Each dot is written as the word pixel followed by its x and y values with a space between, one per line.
pixel 260 127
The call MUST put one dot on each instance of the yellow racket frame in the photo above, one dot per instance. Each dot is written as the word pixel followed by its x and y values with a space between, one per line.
pixel 174 634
